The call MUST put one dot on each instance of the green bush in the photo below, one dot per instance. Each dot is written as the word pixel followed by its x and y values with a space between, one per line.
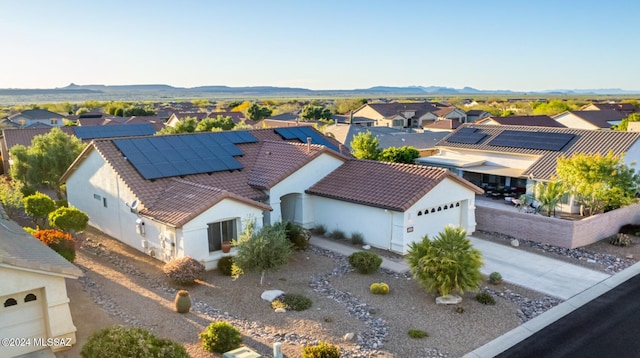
pixel 221 337
pixel 184 270
pixel 319 229
pixel 321 350
pixel 417 333
pixel 365 262
pixel 495 278
pixel 292 301
pixel 621 239
pixel 225 264
pixel 62 203
pixel 135 342
pixel 338 234
pixel 485 298
pixel 357 238
pixel 298 236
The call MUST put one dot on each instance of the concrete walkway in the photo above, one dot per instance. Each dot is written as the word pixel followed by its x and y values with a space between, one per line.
pixel 540 273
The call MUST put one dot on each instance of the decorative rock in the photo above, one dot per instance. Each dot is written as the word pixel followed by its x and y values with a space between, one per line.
pixel 349 336
pixel 280 310
pixel 448 300
pixel 366 247
pixel 515 243
pixel 270 295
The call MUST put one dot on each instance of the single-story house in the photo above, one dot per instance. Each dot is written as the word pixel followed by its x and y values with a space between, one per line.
pixel 516 157
pixel 602 119
pixel 626 108
pixel 408 115
pixel 183 195
pixel 535 121
pixel 33 294
pixel 32 117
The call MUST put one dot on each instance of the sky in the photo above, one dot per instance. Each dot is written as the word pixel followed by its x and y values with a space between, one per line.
pixel 521 45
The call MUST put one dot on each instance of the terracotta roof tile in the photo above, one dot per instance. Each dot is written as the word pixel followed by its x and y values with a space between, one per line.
pixel 540 121
pixel 359 181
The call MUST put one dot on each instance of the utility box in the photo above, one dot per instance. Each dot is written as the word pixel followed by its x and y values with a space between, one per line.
pixel 242 352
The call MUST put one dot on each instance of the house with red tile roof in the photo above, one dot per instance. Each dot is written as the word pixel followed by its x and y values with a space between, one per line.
pixel 602 119
pixel 410 114
pixel 626 108
pixel 183 195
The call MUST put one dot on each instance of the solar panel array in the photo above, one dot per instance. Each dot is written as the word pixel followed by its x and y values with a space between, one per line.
pixel 302 133
pixel 467 136
pixel 532 140
pixel 113 131
pixel 169 156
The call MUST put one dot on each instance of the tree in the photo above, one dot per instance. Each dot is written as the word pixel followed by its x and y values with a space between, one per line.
pixel 549 195
pixel 446 264
pixel 624 124
pixel 69 220
pixel 551 108
pixel 224 123
pixel 315 113
pixel 11 196
pixel 405 154
pixel 365 146
pixel 261 251
pixel 46 159
pixel 258 113
pixel 185 125
pixel 38 206
pixel 346 105
pixel 598 181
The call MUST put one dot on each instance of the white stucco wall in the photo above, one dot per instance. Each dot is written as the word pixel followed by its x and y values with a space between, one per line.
pixel 58 319
pixel 570 120
pixel 298 182
pixel 521 161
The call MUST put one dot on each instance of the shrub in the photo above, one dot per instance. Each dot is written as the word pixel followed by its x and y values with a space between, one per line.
pixel 485 298
pixel 379 288
pixel 338 234
pixel 298 236
pixel 225 264
pixel 60 242
pixel 221 337
pixel 135 342
pixel 319 229
pixel 357 238
pixel 38 206
pixel 292 301
pixel 68 219
pixel 184 270
pixel 60 203
pixel 621 239
pixel 321 350
pixel 365 262
pixel 495 278
pixel 417 333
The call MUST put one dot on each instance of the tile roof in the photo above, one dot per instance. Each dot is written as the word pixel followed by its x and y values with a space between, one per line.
pixel 444 124
pixel 599 118
pixel 36 114
pixel 388 110
pixel 540 121
pixel 585 141
pixel 24 136
pixel 19 249
pixel 170 200
pixel 390 186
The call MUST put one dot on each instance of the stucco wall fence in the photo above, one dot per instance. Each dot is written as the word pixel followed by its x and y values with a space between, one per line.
pixel 555 231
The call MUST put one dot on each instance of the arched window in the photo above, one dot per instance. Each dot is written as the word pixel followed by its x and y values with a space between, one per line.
pixel 10 302
pixel 433 210
pixel 30 297
pixel 451 206
pixel 439 208
pixel 446 207
pixel 419 213
pixel 426 211
pixel 457 204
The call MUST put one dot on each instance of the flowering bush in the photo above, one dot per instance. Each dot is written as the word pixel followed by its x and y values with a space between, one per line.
pixel 59 241
pixel 184 270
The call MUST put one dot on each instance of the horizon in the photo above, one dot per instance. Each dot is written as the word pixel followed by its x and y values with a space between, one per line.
pixel 543 46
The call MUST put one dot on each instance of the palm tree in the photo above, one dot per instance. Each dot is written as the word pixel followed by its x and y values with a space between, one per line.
pixel 549 195
pixel 446 264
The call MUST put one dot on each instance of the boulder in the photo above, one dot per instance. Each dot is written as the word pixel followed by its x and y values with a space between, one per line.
pixel 448 300
pixel 349 336
pixel 270 295
pixel 280 310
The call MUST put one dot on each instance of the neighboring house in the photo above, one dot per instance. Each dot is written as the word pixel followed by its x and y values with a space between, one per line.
pixel 626 108
pixel 387 137
pixel 444 125
pixel 237 117
pixel 33 293
pixel 516 157
pixel 476 114
pixel 602 119
pixel 534 121
pixel 12 137
pixel 408 115
pixel 169 196
pixel 32 117
pixel 293 119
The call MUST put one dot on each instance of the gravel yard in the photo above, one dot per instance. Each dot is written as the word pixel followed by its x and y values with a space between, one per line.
pixel 123 286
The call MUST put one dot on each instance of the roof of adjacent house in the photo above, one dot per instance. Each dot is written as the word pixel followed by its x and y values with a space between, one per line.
pixel 540 121
pixel 19 249
pixel 24 136
pixel 36 114
pixel 392 109
pixel 584 141
pixel 387 136
pixel 600 119
pixel 622 107
pixel 444 124
pixel 395 187
pixel 178 199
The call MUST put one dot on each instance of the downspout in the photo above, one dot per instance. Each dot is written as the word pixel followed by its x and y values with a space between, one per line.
pixel 390 227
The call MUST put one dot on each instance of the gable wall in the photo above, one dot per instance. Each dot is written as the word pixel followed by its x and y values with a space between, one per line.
pixel 570 120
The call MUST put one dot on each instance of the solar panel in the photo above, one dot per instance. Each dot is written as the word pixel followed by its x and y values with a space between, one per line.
pixel 168 156
pixel 532 140
pixel 467 136
pixel 113 131
pixel 302 133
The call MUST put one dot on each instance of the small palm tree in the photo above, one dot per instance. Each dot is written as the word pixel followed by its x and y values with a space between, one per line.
pixel 446 264
pixel 549 195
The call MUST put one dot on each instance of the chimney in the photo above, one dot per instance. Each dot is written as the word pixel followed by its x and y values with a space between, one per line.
pixel 308 144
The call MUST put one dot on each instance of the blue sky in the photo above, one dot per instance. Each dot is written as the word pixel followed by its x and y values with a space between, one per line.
pixel 520 45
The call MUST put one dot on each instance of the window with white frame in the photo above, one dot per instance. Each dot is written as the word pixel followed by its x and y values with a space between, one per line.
pixel 221 231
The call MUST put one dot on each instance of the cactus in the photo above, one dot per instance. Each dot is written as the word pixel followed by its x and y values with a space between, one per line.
pixel 182 301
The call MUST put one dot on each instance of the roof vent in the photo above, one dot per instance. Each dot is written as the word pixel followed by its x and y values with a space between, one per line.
pixel 308 144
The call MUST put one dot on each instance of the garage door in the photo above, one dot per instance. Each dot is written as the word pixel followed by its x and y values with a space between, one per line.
pixel 22 316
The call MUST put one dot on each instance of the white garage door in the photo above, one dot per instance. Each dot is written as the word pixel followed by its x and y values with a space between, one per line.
pixel 22 316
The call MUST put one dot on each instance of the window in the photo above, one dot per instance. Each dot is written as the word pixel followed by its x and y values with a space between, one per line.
pixel 30 297
pixel 97 197
pixel 397 123
pixel 104 202
pixel 221 231
pixel 10 302
pixel 54 121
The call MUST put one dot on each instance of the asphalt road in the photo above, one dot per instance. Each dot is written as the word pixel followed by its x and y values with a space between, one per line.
pixel 608 326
